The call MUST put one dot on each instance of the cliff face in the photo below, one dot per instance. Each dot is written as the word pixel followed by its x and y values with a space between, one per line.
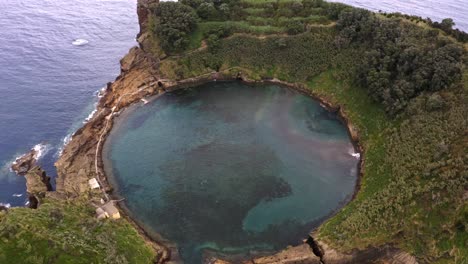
pixel 78 162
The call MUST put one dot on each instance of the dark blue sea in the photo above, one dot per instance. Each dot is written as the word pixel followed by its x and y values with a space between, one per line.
pixel 48 80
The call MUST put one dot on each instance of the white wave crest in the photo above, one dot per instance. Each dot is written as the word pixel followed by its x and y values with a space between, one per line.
pixel 80 42
pixel 7 205
pixel 101 92
pixel 353 153
pixel 90 116
pixel 17 195
pixel 65 141
pixel 41 149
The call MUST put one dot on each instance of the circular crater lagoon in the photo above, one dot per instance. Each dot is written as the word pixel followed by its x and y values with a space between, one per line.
pixel 229 168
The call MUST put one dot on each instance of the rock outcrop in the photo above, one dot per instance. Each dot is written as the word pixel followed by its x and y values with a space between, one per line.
pixel 301 254
pixel 37 182
pixel 24 163
pixel 37 185
pixel 384 254
pixel 77 164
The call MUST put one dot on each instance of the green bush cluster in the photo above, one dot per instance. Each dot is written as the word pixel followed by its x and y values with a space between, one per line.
pixel 402 61
pixel 173 24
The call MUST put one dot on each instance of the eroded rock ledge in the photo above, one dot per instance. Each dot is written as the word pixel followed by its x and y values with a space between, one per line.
pixel 37 182
pixel 24 163
pixel 139 78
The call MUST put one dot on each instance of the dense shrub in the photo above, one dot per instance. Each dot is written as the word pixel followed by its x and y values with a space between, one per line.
pixel 295 27
pixel 447 26
pixel 175 21
pixel 403 60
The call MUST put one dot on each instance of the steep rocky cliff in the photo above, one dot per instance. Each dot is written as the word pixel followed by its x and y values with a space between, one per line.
pixel 78 162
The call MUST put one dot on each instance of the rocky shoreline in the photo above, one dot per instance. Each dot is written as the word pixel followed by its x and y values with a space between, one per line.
pixel 139 78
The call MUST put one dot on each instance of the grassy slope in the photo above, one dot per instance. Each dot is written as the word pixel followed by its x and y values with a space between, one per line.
pixel 67 232
pixel 401 201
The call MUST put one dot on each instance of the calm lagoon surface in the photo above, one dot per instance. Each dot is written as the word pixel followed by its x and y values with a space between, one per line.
pixel 231 167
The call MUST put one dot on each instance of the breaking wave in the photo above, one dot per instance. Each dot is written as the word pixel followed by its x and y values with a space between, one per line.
pixel 80 42
pixel 7 205
pixel 41 149
pixel 90 116
pixel 65 141
pixel 353 153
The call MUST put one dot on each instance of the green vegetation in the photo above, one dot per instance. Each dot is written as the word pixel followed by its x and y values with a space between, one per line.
pixel 174 23
pixel 252 17
pixel 401 60
pixel 67 232
pixel 402 82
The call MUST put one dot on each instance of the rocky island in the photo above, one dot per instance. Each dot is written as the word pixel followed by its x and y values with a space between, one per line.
pixel 397 81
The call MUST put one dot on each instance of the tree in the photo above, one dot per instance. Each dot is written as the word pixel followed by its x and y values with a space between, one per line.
pixel 447 24
pixel 206 10
pixel 224 10
pixel 356 24
pixel 402 61
pixel 175 22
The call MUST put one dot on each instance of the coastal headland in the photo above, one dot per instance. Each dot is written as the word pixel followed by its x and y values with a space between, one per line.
pixel 411 148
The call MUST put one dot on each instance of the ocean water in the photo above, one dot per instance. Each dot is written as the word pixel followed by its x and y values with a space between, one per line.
pixel 231 168
pixel 434 9
pixel 48 76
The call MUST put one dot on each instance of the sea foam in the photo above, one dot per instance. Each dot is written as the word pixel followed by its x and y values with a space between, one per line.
pixel 80 42
pixel 7 205
pixel 353 153
pixel 41 149
pixel 65 141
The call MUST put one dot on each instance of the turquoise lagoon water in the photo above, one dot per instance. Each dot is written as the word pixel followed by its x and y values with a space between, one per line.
pixel 231 168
